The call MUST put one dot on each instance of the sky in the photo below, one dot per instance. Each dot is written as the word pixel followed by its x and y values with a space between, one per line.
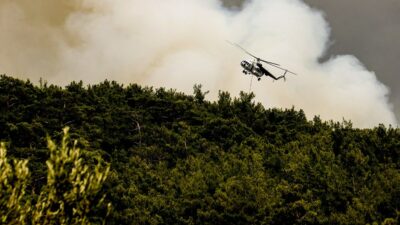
pixel 367 29
pixel 370 30
pixel 179 43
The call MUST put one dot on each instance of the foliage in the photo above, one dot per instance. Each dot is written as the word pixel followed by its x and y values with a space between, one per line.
pixel 13 184
pixel 69 197
pixel 180 159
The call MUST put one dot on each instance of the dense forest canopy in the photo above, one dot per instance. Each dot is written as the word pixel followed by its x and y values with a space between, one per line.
pixel 180 159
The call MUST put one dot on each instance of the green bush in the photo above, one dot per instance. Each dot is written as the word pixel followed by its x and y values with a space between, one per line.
pixel 69 197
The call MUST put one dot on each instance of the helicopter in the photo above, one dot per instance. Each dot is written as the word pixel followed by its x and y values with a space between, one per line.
pixel 255 68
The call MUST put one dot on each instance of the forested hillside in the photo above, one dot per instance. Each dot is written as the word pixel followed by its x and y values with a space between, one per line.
pixel 180 159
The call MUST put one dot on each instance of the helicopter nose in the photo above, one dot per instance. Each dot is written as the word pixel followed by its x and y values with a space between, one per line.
pixel 245 64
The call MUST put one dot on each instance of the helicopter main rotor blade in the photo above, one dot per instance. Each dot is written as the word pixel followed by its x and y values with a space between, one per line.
pixel 258 59
pixel 270 63
pixel 238 46
pixel 288 71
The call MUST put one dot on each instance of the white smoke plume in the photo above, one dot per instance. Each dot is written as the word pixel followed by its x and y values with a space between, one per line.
pixel 179 43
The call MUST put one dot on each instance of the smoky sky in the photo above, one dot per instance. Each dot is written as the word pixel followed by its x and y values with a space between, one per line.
pixel 179 43
pixel 368 29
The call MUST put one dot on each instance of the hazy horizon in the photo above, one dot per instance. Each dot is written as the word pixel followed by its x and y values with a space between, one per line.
pixel 179 43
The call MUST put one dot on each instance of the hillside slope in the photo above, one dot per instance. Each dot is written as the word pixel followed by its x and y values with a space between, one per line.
pixel 179 159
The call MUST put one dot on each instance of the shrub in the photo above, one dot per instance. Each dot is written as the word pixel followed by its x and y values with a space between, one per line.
pixel 72 191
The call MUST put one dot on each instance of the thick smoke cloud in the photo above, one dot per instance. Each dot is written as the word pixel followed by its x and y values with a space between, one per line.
pixel 178 43
pixel 370 30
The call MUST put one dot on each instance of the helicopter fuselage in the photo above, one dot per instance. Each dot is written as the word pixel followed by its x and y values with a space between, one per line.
pixel 251 68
